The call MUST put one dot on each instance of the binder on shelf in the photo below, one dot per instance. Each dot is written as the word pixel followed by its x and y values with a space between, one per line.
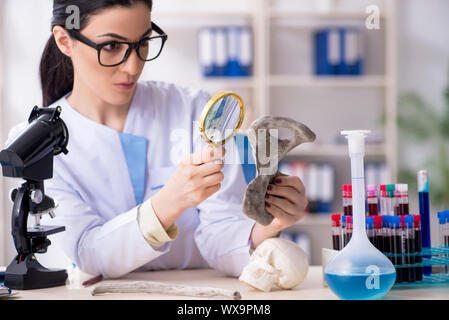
pixel 220 48
pixel 377 173
pixel 234 67
pixel 206 51
pixel 313 187
pixel 326 177
pixel 338 51
pixel 351 54
pixel 327 51
pixel 319 180
pixel 226 51
pixel 246 52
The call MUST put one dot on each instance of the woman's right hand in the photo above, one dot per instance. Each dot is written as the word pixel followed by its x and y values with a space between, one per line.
pixel 197 177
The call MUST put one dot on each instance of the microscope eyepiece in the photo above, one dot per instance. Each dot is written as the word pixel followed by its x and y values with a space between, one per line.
pixel 30 154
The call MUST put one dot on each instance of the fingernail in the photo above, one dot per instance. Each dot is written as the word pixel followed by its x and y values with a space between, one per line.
pixel 270 187
pixel 267 196
pixel 277 181
pixel 267 204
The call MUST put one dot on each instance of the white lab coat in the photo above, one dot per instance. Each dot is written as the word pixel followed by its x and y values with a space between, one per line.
pixel 97 202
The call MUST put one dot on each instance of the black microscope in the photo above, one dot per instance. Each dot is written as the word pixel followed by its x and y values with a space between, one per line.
pixel 30 157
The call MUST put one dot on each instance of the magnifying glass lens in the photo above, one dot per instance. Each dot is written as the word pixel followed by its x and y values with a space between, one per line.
pixel 222 119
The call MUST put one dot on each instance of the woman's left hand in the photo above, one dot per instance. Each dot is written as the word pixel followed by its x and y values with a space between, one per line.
pixel 286 201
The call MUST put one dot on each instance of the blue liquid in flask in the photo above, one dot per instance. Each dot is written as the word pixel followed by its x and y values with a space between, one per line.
pixel 360 286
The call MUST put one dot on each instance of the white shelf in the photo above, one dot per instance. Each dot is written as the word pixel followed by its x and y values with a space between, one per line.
pixel 293 81
pixel 331 15
pixel 221 82
pixel 271 13
pixel 222 15
pixel 312 219
pixel 329 150
pixel 328 81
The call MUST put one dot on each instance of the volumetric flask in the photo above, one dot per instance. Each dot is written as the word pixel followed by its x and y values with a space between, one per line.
pixel 359 271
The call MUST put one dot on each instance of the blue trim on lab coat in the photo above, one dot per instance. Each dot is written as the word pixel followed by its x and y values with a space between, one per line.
pixel 135 151
pixel 246 157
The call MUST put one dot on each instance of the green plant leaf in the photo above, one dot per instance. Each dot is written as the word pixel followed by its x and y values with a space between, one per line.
pixel 415 119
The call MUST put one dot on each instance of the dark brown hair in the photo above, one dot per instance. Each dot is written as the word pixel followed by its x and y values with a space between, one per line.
pixel 56 69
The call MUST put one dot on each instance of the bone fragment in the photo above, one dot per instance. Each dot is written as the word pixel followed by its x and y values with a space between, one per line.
pixel 164 288
pixel 253 202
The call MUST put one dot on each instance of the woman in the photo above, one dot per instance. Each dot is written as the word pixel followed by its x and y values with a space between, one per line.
pixel 126 203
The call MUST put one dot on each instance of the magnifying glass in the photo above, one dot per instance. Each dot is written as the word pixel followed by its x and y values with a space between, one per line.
pixel 221 118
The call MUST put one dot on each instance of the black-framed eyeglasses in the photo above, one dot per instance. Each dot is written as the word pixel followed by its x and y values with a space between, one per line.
pixel 114 53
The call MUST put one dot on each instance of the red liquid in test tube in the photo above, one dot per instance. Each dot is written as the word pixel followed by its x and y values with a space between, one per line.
pixel 337 240
pixel 371 198
pixel 403 200
pixel 347 199
pixel 383 199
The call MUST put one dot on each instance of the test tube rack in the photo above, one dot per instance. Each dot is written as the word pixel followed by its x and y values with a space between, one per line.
pixel 436 257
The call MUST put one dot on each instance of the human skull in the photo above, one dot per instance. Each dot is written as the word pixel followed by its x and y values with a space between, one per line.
pixel 277 262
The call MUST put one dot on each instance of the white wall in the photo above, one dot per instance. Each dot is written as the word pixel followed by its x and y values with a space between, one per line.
pixel 2 197
pixel 26 27
pixel 423 30
pixel 423 45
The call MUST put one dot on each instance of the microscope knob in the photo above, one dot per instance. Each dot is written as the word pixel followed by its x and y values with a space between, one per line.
pixel 12 195
pixel 37 196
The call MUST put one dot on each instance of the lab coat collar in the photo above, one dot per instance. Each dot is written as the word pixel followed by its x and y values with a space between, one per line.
pixel 88 123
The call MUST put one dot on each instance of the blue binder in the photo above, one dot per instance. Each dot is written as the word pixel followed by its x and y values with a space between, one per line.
pixel 351 60
pixel 327 52
pixel 246 52
pixel 225 51
pixel 220 52
pixel 240 60
pixel 234 68
pixel 206 51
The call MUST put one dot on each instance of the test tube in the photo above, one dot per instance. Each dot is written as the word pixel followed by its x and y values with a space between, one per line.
pixel 390 188
pixel 336 232
pixel 369 222
pixel 403 204
pixel 383 199
pixel 442 233
pixel 347 199
pixel 424 212
pixel 396 245
pixel 378 233
pixel 418 247
pixel 409 244
pixel 402 232
pixel 343 230
pixel 371 198
pixel 446 238
pixel 386 235
pixel 348 231
pixel 350 199
pixel 441 224
pixel 344 200
pixel 397 201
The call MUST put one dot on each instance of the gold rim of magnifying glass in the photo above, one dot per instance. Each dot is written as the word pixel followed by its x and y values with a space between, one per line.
pixel 207 109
